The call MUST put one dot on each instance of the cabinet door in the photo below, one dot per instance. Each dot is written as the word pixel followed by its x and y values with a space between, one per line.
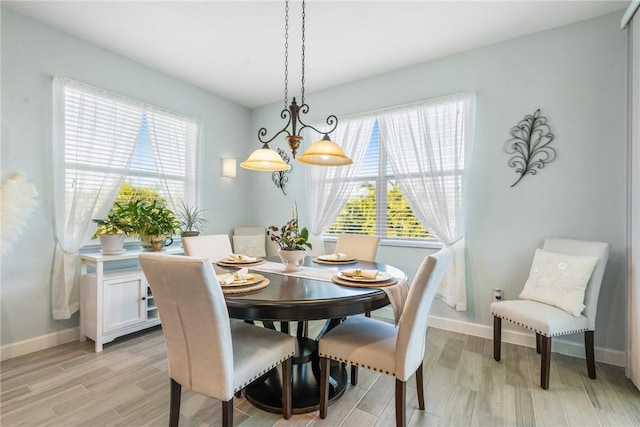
pixel 124 302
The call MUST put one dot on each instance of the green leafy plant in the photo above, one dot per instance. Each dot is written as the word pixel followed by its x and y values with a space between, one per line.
pixel 290 237
pixel 151 217
pixel 191 218
pixel 116 222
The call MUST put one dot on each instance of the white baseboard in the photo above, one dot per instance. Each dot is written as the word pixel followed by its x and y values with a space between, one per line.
pixel 605 355
pixel 39 343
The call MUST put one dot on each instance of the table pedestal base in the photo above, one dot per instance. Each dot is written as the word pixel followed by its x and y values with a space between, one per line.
pixel 266 392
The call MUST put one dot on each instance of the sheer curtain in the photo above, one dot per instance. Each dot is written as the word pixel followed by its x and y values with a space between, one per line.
pixel 82 116
pixel 328 188
pixel 631 20
pixel 175 141
pixel 428 145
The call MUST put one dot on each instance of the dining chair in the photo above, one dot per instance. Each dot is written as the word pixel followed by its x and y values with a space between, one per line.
pixel 359 246
pixel 213 246
pixel 557 281
pixel 207 353
pixel 374 344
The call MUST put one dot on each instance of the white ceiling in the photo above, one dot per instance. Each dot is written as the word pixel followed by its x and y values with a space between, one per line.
pixel 236 48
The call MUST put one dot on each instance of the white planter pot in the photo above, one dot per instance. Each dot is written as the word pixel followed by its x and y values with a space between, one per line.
pixel 112 244
pixel 292 260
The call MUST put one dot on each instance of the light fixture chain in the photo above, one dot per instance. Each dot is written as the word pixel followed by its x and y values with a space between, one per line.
pixel 286 53
pixel 303 40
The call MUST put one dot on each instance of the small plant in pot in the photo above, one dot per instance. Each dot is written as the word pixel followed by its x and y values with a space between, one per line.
pixel 191 220
pixel 292 241
pixel 153 221
pixel 113 229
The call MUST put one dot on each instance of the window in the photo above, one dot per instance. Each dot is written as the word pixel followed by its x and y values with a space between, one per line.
pixel 110 141
pixel 377 205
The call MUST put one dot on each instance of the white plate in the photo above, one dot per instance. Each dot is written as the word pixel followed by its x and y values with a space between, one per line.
pixel 381 277
pixel 334 258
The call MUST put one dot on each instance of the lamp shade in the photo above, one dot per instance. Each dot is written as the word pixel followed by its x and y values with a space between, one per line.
pixel 325 153
pixel 229 168
pixel 265 159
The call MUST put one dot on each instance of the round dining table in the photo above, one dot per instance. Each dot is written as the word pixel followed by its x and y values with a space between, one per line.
pixel 301 299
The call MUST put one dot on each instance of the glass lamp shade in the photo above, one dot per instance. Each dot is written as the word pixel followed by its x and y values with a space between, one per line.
pixel 325 153
pixel 265 159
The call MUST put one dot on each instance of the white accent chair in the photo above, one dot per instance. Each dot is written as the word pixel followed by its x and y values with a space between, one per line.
pixel 206 353
pixel 250 241
pixel 213 246
pixel 548 321
pixel 359 246
pixel 377 345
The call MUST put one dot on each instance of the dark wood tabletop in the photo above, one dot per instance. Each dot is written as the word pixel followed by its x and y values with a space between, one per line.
pixel 290 298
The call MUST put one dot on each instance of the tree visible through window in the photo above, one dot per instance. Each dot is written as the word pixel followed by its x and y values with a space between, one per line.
pixel 377 205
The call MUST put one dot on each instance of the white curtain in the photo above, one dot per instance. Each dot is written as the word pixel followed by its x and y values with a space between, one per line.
pixel 631 20
pixel 428 145
pixel 328 188
pixel 83 114
pixel 175 143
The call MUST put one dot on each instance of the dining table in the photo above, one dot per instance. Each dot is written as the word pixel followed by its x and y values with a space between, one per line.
pixel 309 294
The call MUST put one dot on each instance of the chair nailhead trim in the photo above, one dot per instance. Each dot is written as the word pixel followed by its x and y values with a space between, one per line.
pixel 261 373
pixel 357 364
pixel 537 331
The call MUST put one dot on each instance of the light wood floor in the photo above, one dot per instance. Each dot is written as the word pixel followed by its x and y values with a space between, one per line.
pixel 127 385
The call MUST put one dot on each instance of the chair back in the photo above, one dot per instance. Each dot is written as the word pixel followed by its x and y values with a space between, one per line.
pixel 358 246
pixel 195 322
pixel 585 248
pixel 412 327
pixel 213 246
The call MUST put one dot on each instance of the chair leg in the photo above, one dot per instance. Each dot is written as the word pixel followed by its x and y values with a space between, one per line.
pixel 538 343
pixel 286 389
pixel 590 354
pixel 324 386
pixel 546 362
pixel 420 387
pixel 174 406
pixel 401 403
pixel 354 375
pixel 497 337
pixel 227 413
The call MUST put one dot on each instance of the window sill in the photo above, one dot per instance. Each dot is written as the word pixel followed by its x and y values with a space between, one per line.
pixel 427 244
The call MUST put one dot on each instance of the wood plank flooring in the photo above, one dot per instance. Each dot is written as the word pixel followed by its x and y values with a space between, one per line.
pixel 127 385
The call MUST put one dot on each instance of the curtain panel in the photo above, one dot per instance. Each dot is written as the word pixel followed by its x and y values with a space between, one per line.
pixel 428 145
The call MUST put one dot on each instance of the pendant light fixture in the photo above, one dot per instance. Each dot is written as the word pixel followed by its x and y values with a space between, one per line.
pixel 323 152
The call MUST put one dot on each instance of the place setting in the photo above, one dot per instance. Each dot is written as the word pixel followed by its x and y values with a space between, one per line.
pixel 239 261
pixel 339 258
pixel 241 281
pixel 360 278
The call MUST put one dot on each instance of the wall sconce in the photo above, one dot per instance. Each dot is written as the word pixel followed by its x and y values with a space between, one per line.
pixel 229 168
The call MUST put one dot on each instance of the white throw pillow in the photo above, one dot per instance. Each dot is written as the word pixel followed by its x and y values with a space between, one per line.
pixel 253 245
pixel 559 280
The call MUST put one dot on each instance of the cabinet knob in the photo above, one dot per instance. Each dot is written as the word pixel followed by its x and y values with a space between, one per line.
pixel 144 298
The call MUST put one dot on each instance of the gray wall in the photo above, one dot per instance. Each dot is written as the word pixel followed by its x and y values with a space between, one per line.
pixel 576 75
pixel 31 54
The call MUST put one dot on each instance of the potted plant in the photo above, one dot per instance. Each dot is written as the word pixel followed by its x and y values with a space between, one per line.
pixel 113 229
pixel 292 242
pixel 153 222
pixel 191 220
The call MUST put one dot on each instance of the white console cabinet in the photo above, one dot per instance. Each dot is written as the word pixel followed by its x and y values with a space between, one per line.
pixel 114 302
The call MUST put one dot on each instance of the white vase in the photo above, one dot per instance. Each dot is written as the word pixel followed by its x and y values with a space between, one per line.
pixel 292 260
pixel 112 244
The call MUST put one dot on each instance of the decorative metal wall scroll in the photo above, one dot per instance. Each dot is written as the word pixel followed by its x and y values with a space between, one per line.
pixel 280 178
pixel 530 145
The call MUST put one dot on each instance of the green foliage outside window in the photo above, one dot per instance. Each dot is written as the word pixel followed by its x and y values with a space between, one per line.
pixel 359 215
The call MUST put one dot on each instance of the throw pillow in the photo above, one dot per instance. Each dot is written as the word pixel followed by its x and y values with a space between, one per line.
pixel 253 245
pixel 559 280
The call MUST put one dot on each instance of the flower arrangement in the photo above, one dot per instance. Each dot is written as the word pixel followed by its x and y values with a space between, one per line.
pixel 290 237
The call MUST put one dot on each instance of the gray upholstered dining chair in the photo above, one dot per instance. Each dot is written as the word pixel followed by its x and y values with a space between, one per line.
pixel 207 353
pixel 559 263
pixel 213 246
pixel 359 246
pixel 377 345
